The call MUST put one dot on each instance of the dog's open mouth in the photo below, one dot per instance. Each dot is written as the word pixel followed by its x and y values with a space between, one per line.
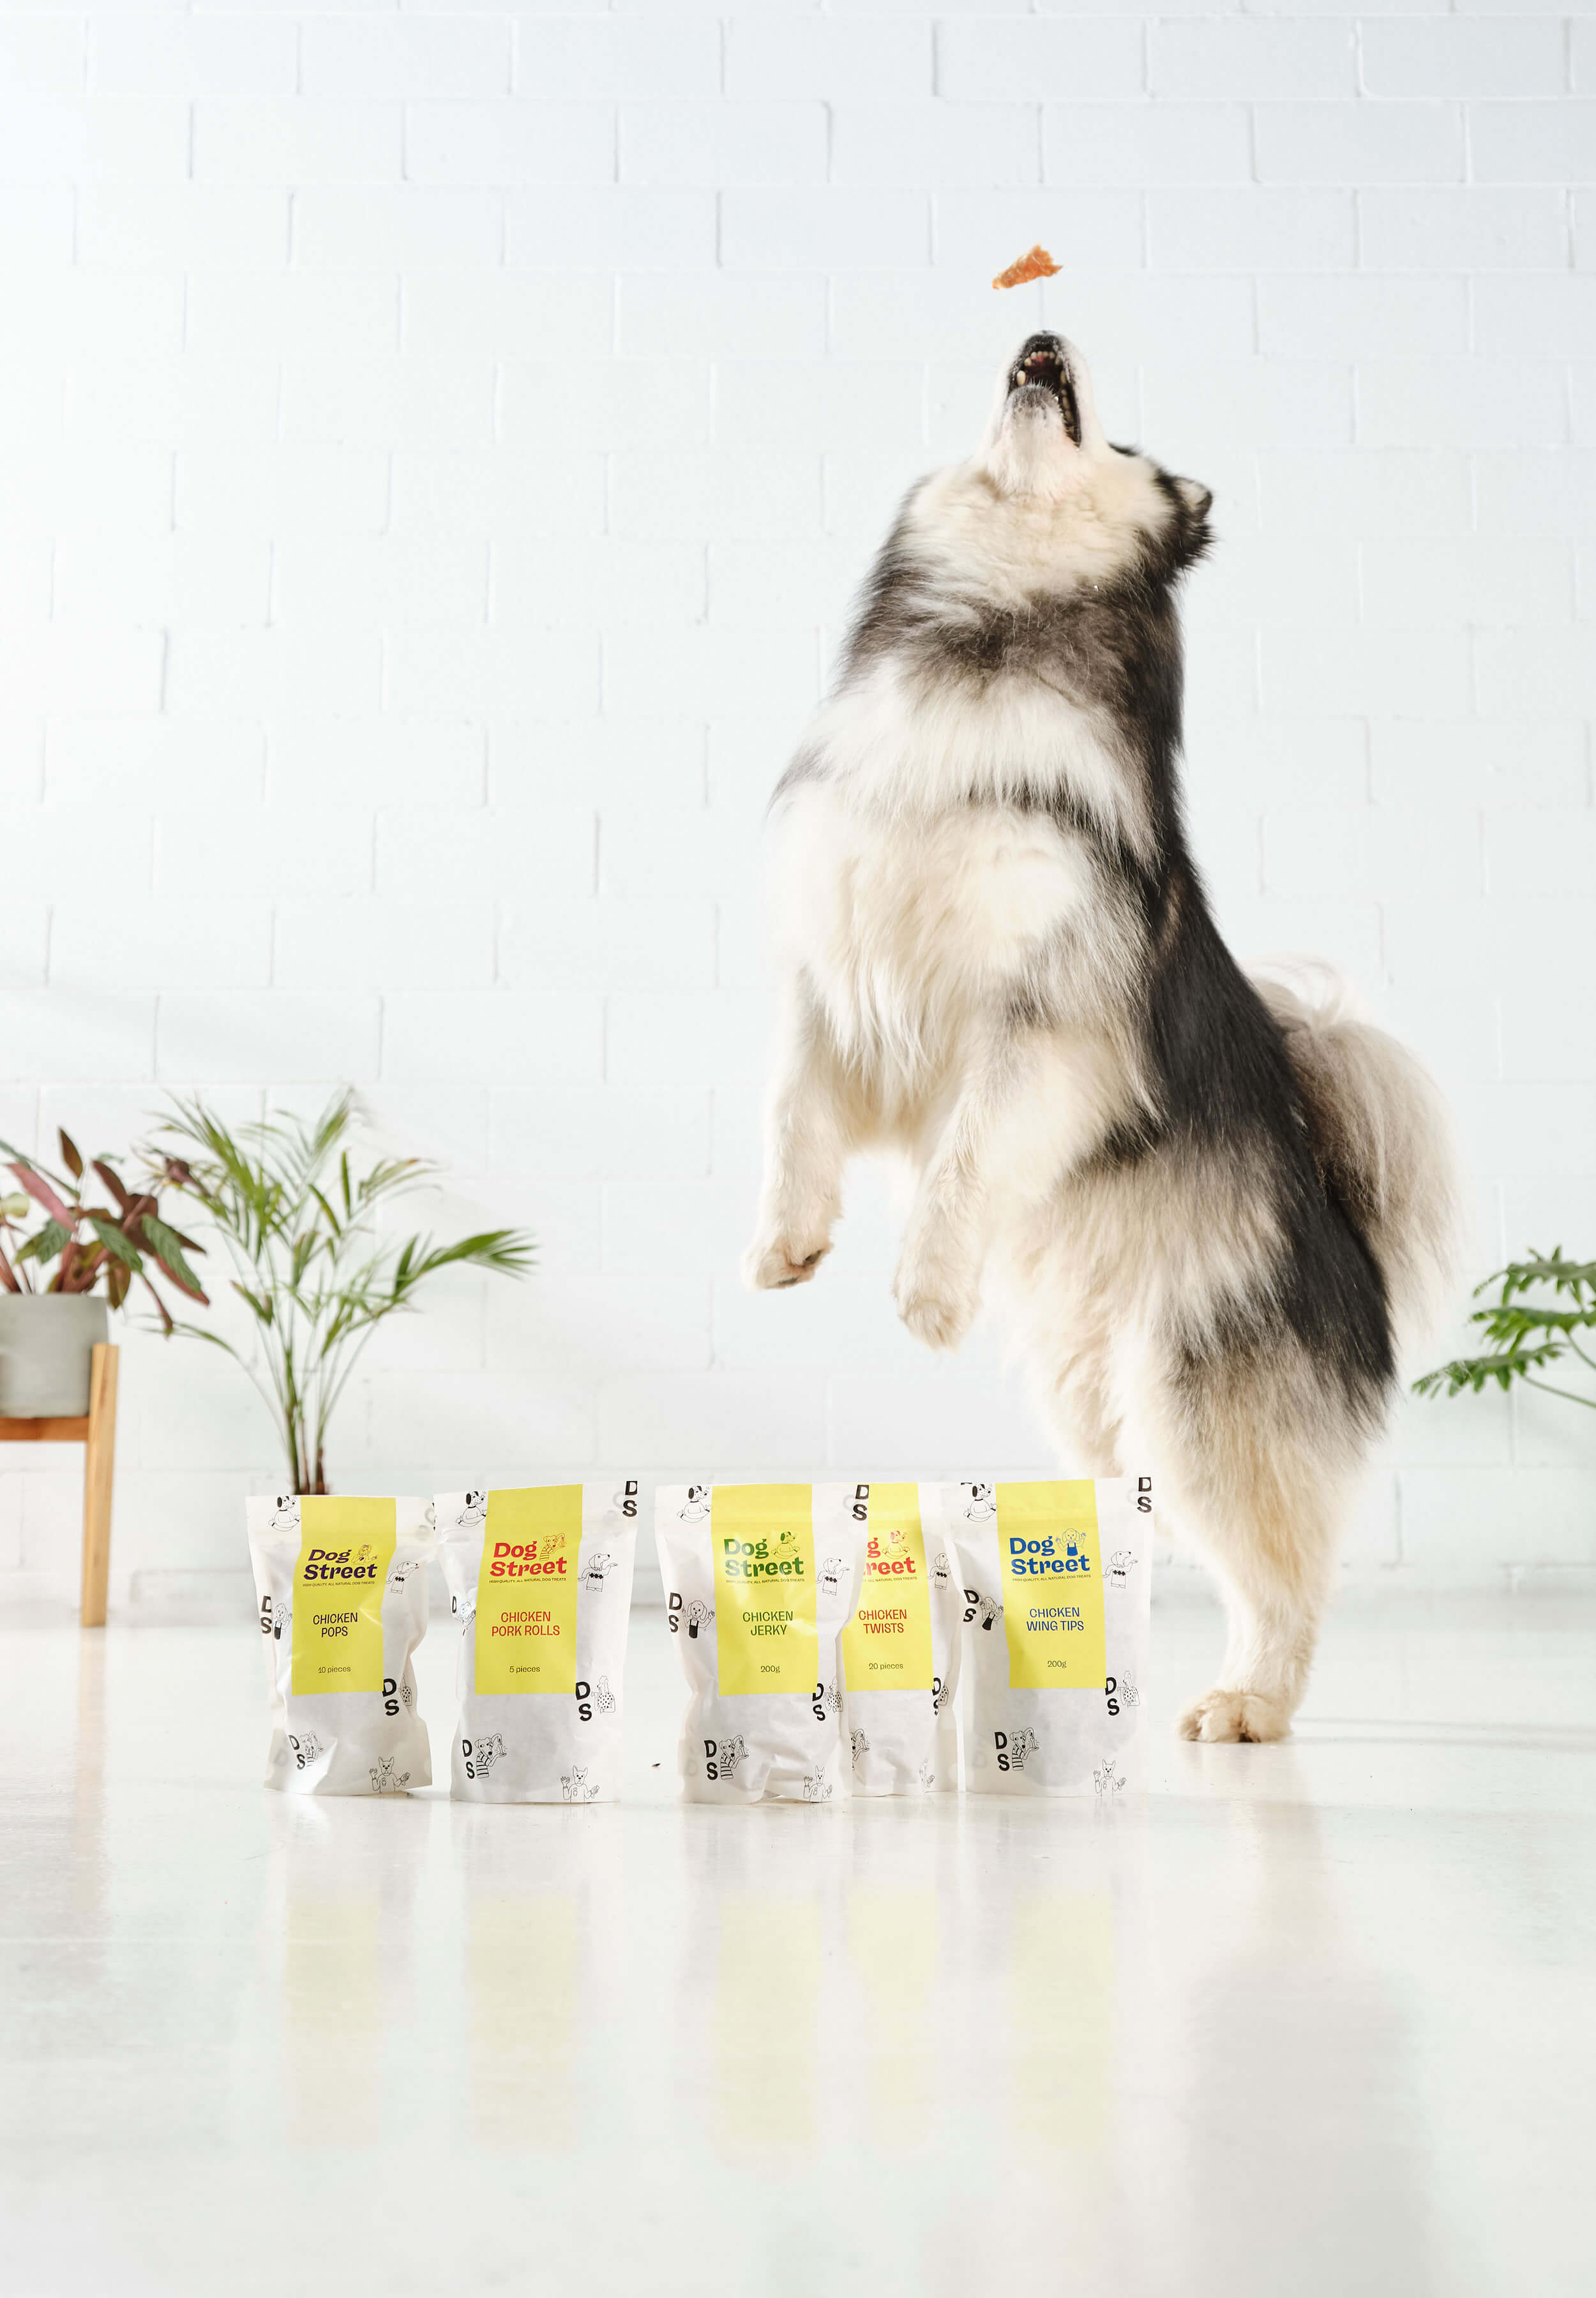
pixel 1040 367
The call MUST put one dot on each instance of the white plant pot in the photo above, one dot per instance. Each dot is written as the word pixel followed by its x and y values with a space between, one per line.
pixel 46 1352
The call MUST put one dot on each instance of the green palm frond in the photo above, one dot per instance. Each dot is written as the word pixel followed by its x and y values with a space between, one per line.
pixel 1511 1322
pixel 300 1225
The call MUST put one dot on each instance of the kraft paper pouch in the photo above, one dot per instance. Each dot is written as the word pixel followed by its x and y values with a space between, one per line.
pixel 900 1651
pixel 342 1590
pixel 758 1582
pixel 1056 1578
pixel 540 1581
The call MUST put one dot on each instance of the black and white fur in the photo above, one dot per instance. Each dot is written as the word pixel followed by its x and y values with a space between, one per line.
pixel 1213 1201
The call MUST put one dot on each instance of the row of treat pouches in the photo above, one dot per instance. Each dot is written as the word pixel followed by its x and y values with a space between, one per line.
pixel 823 1629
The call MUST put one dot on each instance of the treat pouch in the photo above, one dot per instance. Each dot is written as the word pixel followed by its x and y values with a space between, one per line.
pixel 1055 1580
pixel 758 1583
pixel 540 1584
pixel 340 1587
pixel 900 1650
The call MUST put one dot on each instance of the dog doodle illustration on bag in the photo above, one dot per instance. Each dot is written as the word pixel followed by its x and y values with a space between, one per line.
pixel 575 1787
pixel 941 1570
pixel 481 1754
pixel 595 1571
pixel 474 1516
pixel 307 1749
pixel 695 1507
pixel 941 1693
pixel 817 1788
pixel 830 1575
pixel 722 1756
pixel 385 1779
pixel 1106 1781
pixel 1122 1564
pixel 699 1615
pixel 604 1698
pixel 284 1513
pixel 825 1699
pixel 980 1607
pixel 982 1504
pixel 926 1776
pixel 860 1746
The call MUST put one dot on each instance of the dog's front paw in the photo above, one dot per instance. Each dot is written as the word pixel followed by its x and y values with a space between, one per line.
pixel 936 1310
pixel 1235 1715
pixel 772 1262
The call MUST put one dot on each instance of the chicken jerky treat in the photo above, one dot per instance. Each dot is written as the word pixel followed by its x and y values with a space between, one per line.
pixel 341 1586
pixel 540 1581
pixel 900 1651
pixel 758 1582
pixel 1035 264
pixel 1055 1583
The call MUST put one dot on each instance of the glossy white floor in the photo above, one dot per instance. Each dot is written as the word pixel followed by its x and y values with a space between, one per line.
pixel 1314 2018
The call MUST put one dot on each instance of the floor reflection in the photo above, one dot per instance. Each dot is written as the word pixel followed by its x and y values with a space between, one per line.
pixel 522 1958
pixel 764 2019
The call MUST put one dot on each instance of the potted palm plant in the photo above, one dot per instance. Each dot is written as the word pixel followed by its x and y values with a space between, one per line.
pixel 63 1264
pixel 311 1260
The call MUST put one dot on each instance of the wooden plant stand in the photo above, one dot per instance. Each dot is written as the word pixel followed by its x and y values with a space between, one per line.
pixel 95 1431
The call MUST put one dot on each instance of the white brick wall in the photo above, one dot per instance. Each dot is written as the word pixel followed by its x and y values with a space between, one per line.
pixel 437 445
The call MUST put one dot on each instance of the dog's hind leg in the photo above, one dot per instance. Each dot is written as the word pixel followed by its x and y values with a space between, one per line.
pixel 1272 1549
pixel 1243 1479
pixel 813 1123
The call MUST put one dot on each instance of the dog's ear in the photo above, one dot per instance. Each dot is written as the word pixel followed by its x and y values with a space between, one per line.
pixel 1193 535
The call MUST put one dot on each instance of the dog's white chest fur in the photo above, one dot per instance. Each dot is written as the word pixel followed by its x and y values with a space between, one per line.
pixel 907 927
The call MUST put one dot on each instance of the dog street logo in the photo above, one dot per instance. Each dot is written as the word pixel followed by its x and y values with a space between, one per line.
pixel 307 1749
pixel 625 1500
pixel 591 1695
pixel 817 1788
pixel 941 1693
pixel 699 1615
pixel 1014 1747
pixel 480 1755
pixel 385 1779
pixel 575 1787
pixel 980 1607
pixel 826 1701
pixel 275 1617
pixel 1107 1780
pixel 1122 1564
pixel 722 1756
pixel 859 1745
pixel 1118 1692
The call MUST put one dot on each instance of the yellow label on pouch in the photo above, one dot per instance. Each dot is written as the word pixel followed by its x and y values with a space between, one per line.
pixel 345 1548
pixel 886 1645
pixel 1052 1586
pixel 765 1636
pixel 526 1591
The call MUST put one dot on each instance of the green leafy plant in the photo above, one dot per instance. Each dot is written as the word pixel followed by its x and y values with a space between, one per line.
pixel 302 1228
pixel 1526 1335
pixel 51 1241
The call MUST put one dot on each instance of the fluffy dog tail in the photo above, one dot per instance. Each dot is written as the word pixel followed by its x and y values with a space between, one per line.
pixel 1382 1136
